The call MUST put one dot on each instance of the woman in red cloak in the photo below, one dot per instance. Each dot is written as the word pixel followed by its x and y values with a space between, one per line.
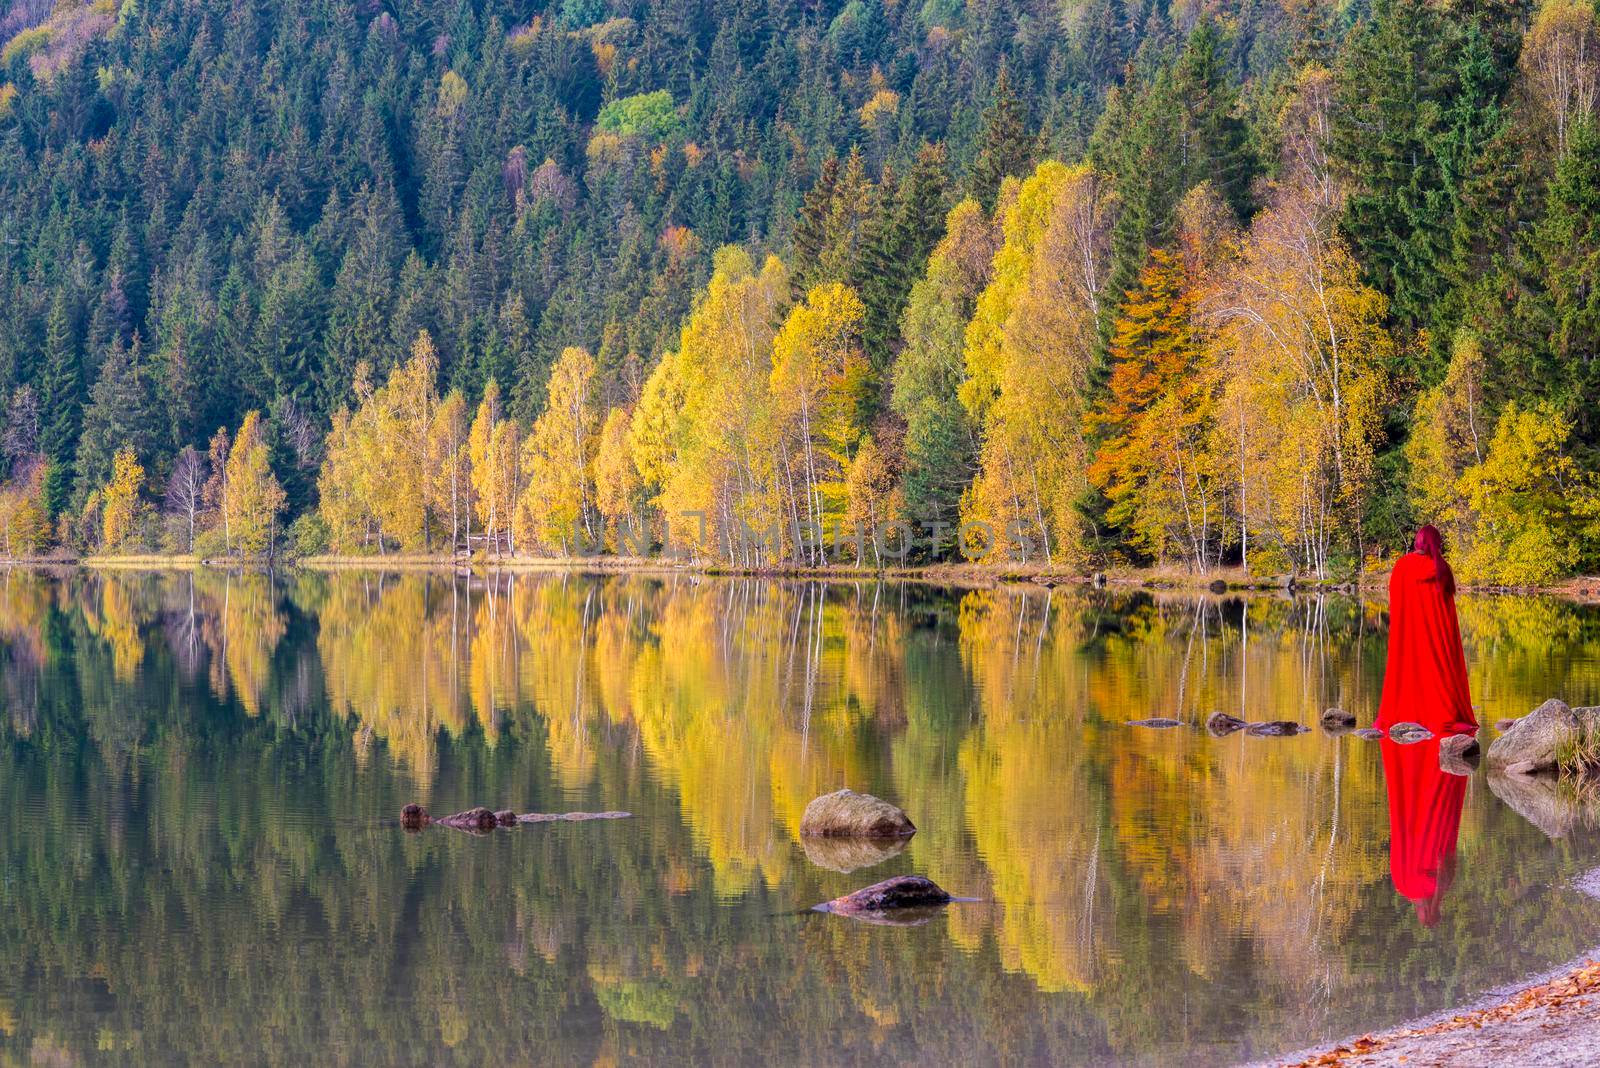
pixel 1424 819
pixel 1426 678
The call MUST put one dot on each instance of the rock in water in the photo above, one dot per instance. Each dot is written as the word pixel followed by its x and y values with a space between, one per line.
pixel 414 817
pixel 1277 728
pixel 1159 722
pixel 1537 737
pixel 506 818
pixel 473 819
pixel 847 814
pixel 1407 733
pixel 1220 724
pixel 1371 734
pixel 1458 754
pixel 1338 721
pixel 901 892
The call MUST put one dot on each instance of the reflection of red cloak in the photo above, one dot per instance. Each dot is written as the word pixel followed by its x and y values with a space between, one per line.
pixel 1426 678
pixel 1424 817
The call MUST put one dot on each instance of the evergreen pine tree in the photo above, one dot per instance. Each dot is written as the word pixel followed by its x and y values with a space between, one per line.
pixel 1006 148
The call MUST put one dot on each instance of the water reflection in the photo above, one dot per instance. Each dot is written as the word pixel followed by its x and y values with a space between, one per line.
pixel 203 768
pixel 1424 820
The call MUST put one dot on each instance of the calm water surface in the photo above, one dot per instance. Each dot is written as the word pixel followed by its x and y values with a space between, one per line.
pixel 201 862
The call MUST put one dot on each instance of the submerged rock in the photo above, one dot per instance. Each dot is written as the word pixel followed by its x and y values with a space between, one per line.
pixel 900 892
pixel 1459 753
pixel 1220 724
pixel 1537 738
pixel 851 854
pixel 845 813
pixel 1338 721
pixel 1408 733
pixel 1370 734
pixel 1277 728
pixel 1159 722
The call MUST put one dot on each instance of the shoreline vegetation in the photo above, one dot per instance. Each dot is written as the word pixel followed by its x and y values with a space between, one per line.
pixel 1584 589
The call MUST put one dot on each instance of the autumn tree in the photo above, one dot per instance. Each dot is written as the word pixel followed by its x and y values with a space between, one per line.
pixel 558 456
pixel 819 381
pixel 1154 462
pixel 120 499
pixel 1029 349
pixel 252 499
pixel 618 486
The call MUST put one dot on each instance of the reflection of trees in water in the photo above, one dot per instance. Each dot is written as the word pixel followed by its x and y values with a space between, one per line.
pixel 1163 887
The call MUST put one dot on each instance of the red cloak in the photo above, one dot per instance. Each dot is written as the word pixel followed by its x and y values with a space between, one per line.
pixel 1425 680
pixel 1424 819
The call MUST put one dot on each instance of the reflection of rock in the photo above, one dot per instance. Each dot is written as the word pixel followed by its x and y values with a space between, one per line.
pixel 1158 722
pixel 1220 724
pixel 1536 738
pixel 1538 799
pixel 1407 733
pixel 1278 728
pixel 1371 734
pixel 900 892
pixel 851 854
pixel 849 814
pixel 1338 721
pixel 1458 754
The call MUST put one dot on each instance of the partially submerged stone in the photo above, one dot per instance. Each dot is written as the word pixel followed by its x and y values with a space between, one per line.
pixel 851 854
pixel 1158 722
pixel 480 820
pixel 847 814
pixel 900 892
pixel 1370 734
pixel 1338 721
pixel 1409 733
pixel 1220 724
pixel 1277 728
pixel 473 819
pixel 1458 754
pixel 1537 738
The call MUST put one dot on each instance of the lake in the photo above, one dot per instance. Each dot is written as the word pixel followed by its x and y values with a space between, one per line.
pixel 203 863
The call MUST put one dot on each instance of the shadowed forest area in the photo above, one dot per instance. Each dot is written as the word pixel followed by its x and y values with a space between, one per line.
pixel 1116 281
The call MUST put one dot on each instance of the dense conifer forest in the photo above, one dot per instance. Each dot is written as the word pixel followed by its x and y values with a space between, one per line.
pixel 1100 281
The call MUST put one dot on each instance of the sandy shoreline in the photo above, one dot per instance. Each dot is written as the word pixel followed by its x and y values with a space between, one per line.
pixel 1552 1020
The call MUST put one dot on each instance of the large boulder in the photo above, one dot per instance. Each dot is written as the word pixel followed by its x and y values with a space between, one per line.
pixel 1534 741
pixel 847 814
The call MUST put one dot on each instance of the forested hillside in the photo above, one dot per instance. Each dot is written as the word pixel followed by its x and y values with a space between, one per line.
pixel 1102 280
